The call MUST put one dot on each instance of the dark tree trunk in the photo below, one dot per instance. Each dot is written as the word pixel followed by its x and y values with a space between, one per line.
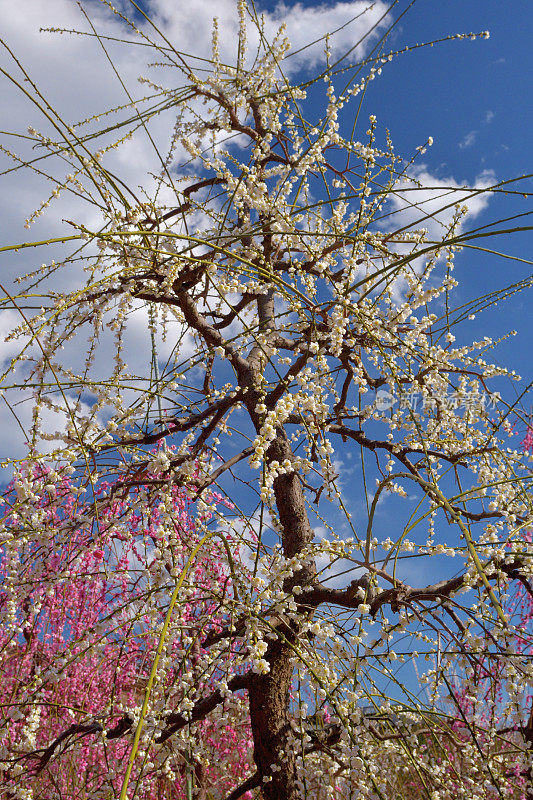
pixel 269 695
pixel 269 713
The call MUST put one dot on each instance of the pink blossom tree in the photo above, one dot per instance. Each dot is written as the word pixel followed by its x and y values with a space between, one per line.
pixel 82 633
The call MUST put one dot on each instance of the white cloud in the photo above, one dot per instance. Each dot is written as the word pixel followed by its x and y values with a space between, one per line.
pixel 468 140
pixel 489 116
pixel 306 24
pixel 188 23
pixel 423 200
pixel 16 420
pixel 9 320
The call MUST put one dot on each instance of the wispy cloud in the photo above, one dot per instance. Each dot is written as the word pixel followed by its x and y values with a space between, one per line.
pixel 489 116
pixel 468 140
pixel 423 200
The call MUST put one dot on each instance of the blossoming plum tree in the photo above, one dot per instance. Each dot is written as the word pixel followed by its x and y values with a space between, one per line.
pixel 87 624
pixel 304 325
